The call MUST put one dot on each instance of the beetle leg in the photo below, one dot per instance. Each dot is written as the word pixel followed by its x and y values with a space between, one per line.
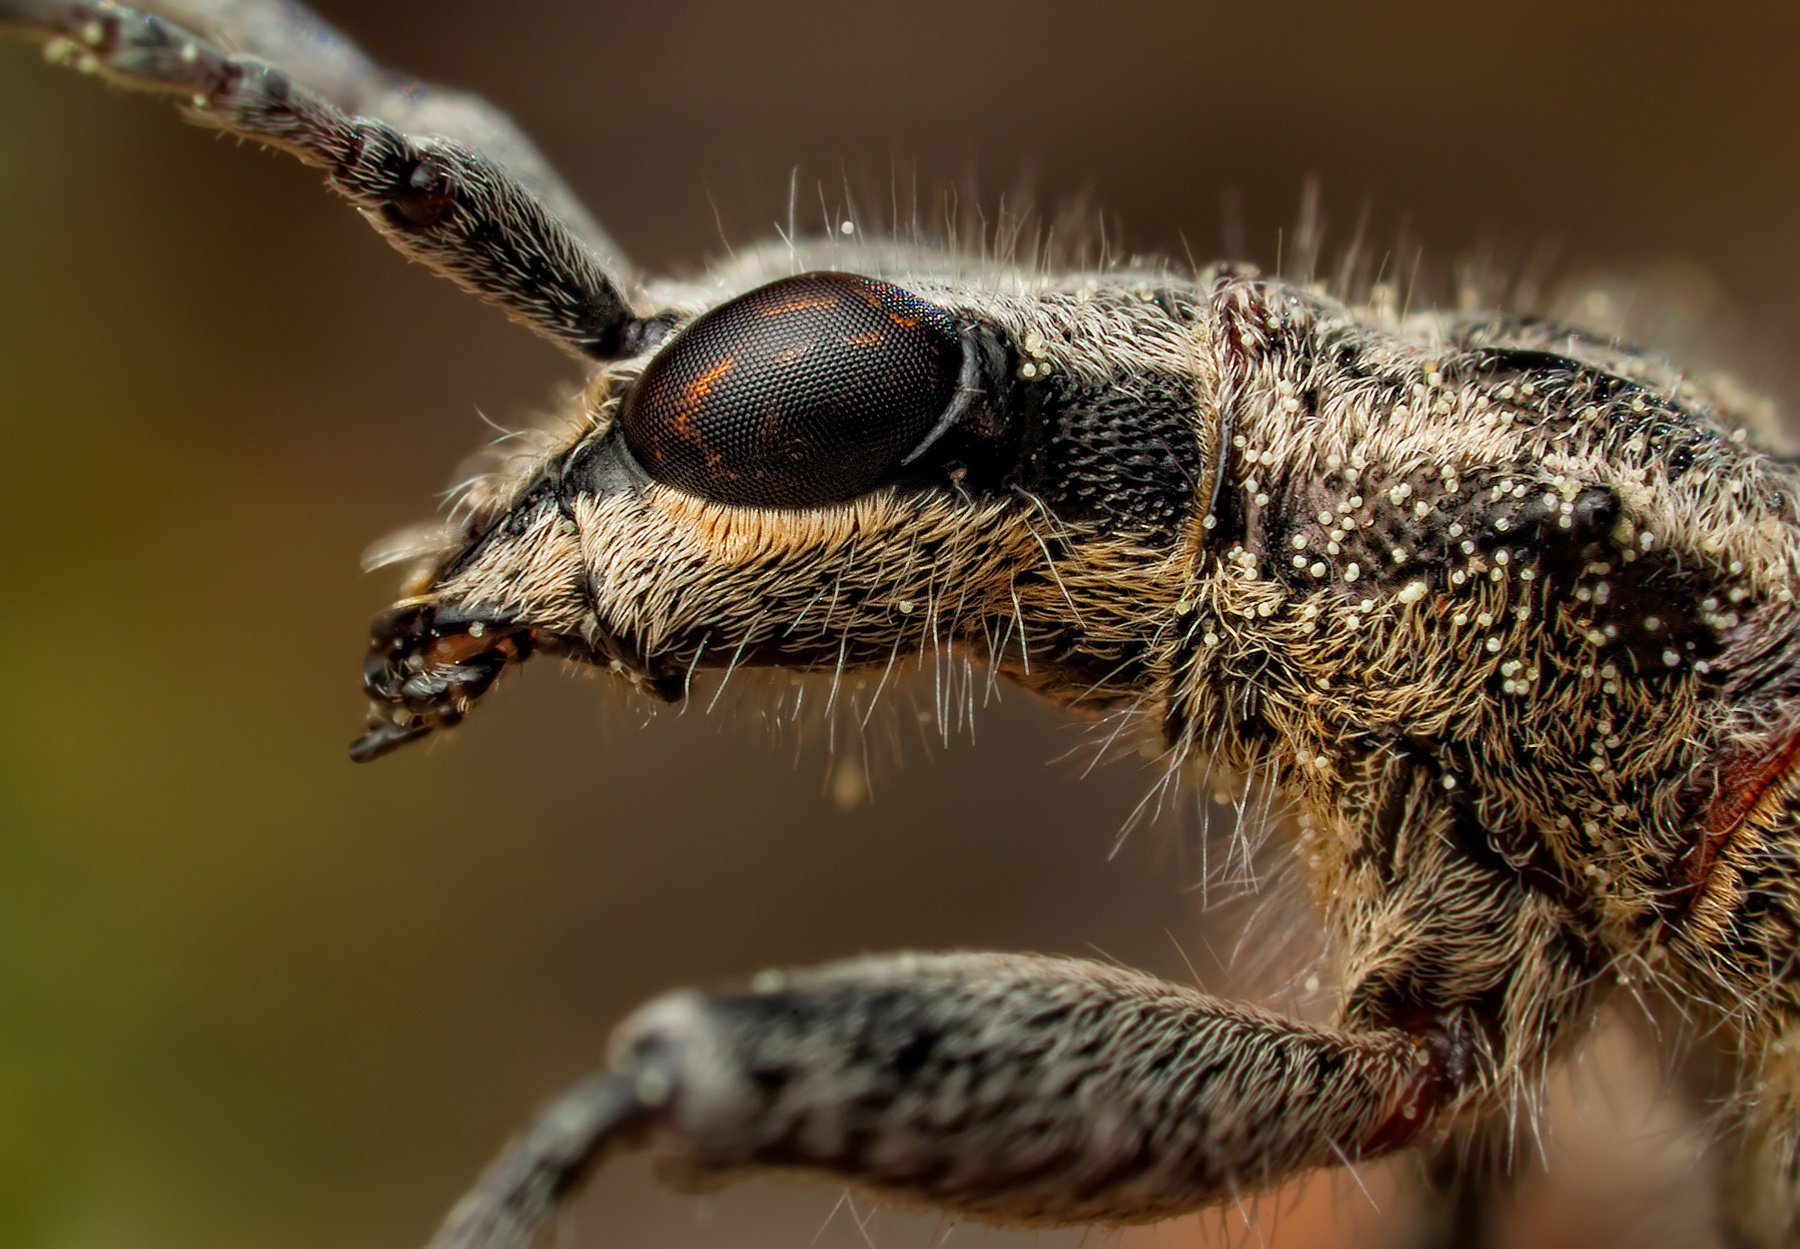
pixel 525 1184
pixel 1014 1089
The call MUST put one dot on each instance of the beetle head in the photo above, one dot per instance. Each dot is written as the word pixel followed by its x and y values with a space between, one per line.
pixel 827 472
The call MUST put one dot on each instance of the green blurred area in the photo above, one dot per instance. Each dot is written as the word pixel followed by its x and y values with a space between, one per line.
pixel 256 996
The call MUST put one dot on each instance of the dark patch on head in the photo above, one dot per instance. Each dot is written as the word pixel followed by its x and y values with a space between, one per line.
pixel 1128 460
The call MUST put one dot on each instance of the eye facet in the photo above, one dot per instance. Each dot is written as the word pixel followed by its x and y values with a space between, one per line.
pixel 810 390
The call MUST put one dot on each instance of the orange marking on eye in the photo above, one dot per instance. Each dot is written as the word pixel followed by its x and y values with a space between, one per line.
pixel 873 338
pixel 694 394
pixel 904 322
pixel 800 305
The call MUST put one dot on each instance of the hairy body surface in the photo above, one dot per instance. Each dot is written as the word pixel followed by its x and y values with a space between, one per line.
pixel 1505 609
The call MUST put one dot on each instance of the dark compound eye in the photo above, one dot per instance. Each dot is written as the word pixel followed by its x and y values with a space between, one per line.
pixel 807 391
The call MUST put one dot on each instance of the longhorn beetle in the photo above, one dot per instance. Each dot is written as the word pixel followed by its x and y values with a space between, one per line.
pixel 1503 608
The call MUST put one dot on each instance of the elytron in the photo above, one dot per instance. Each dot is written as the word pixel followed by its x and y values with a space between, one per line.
pixel 1502 608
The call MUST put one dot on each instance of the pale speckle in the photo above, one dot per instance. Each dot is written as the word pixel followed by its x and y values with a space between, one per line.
pixel 653 1087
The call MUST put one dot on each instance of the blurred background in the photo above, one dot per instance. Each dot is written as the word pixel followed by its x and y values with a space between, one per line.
pixel 256 996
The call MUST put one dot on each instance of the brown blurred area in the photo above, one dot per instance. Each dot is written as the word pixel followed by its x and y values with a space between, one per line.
pixel 255 996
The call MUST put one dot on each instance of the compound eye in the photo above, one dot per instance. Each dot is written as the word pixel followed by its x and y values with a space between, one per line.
pixel 811 390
